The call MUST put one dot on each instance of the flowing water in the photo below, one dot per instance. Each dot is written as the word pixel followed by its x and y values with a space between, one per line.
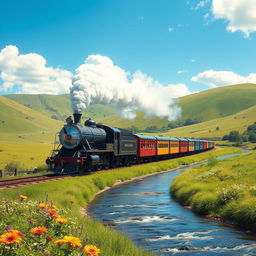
pixel 145 211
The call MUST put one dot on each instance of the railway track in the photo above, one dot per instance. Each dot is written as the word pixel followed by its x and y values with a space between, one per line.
pixel 17 182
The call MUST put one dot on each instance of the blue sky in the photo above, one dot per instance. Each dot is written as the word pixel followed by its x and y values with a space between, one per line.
pixel 169 41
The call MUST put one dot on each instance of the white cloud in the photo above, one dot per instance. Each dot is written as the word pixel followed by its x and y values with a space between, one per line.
pixel 98 80
pixel 214 78
pixel 206 16
pixel 30 73
pixel 201 4
pixel 170 29
pixel 240 14
pixel 182 71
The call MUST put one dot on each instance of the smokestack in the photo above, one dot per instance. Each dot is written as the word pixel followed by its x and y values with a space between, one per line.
pixel 77 117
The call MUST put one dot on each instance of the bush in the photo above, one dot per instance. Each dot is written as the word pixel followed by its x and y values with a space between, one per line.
pixel 212 161
pixel 204 202
pixel 12 166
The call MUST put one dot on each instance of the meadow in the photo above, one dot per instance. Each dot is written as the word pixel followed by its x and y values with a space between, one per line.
pixel 223 189
pixel 76 193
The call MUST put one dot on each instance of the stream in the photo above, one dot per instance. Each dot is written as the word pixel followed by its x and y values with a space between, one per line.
pixel 145 211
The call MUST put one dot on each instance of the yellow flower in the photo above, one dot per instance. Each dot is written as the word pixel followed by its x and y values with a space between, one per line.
pixel 22 197
pixel 9 238
pixel 91 250
pixel 38 230
pixel 43 206
pixel 70 240
pixel 61 220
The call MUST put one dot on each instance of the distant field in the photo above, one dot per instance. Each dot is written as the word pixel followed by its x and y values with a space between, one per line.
pixel 27 154
pixel 217 127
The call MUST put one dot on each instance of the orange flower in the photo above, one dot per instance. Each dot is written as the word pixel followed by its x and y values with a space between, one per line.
pixel 91 250
pixel 22 197
pixel 38 230
pixel 70 240
pixel 19 233
pixel 9 238
pixel 61 220
pixel 42 206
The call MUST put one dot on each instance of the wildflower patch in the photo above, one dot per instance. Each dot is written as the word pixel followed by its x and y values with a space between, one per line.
pixel 39 228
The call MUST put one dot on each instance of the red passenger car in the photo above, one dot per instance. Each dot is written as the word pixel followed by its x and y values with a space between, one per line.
pixel 146 145
pixel 204 144
pixel 184 146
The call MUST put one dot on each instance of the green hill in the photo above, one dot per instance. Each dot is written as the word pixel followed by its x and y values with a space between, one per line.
pixel 58 106
pixel 199 107
pixel 217 128
pixel 218 102
pixel 18 121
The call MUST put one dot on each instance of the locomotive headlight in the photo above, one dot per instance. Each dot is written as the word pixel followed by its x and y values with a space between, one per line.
pixel 70 136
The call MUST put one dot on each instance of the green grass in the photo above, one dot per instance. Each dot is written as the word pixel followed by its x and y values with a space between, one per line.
pixel 225 189
pixel 81 190
pixel 27 154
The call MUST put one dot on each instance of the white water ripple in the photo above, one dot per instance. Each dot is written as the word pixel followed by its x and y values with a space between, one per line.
pixel 187 236
pixel 144 219
pixel 247 247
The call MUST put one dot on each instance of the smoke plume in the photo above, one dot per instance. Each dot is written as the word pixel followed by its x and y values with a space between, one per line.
pixel 98 80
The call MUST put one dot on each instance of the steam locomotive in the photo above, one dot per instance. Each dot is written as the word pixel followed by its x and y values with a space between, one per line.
pixel 92 146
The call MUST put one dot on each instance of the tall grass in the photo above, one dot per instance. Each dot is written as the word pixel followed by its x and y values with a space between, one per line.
pixel 81 190
pixel 226 189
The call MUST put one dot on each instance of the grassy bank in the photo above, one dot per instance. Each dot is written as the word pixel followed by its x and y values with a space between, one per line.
pixel 225 189
pixel 76 192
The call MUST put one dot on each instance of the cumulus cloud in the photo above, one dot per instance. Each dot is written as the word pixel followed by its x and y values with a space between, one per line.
pixel 98 80
pixel 240 14
pixel 30 73
pixel 214 78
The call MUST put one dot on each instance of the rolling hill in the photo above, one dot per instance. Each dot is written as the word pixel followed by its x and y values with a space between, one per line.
pixel 18 121
pixel 58 106
pixel 218 102
pixel 218 127
pixel 202 106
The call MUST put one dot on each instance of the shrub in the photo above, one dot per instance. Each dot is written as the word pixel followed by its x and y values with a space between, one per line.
pixel 11 166
pixel 212 161
pixel 204 202
pixel 228 194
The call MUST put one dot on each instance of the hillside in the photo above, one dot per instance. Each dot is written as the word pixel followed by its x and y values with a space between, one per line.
pixel 20 122
pixel 58 106
pixel 216 127
pixel 202 106
pixel 218 102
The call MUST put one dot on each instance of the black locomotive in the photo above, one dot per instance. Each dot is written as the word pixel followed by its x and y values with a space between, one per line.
pixel 91 147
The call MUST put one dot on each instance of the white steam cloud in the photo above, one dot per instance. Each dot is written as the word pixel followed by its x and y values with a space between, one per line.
pixel 98 80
